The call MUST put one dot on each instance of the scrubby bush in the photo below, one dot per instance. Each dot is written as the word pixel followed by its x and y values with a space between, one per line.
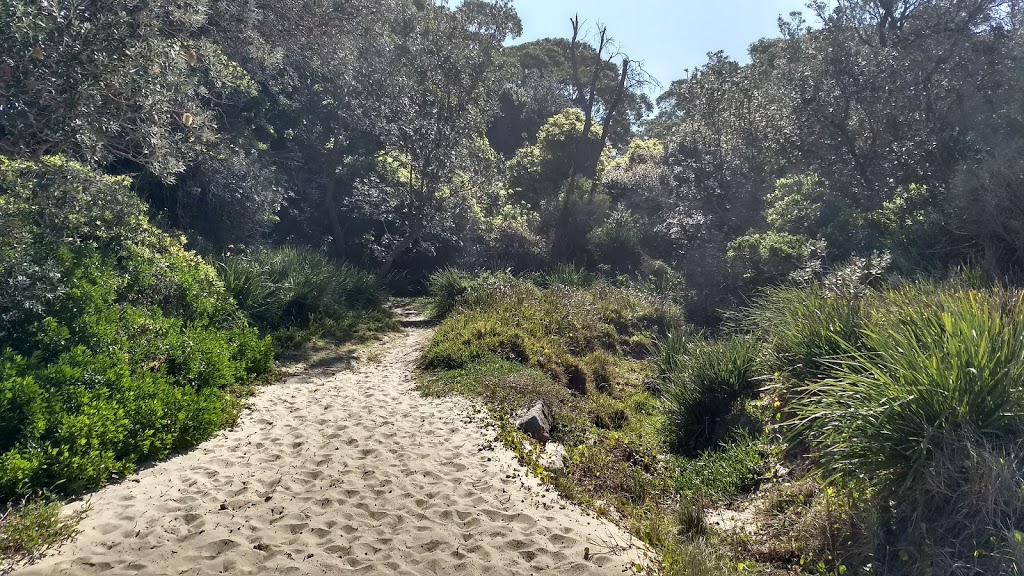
pixel 706 386
pixel 510 241
pixel 297 293
pixel 767 259
pixel 118 345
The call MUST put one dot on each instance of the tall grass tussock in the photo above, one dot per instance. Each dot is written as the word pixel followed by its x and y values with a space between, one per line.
pixel 926 410
pixel 296 294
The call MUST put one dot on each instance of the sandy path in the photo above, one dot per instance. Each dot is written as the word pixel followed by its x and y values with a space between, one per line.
pixel 343 471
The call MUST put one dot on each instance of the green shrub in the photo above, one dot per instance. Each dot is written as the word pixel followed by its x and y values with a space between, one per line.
pixel 767 259
pixel 124 349
pixel 711 379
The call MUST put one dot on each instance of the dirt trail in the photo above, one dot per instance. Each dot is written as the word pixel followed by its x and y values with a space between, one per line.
pixel 343 468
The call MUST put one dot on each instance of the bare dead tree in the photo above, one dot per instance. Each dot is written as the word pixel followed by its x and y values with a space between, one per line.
pixel 631 77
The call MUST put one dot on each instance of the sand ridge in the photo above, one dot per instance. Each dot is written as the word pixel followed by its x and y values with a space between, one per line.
pixel 344 470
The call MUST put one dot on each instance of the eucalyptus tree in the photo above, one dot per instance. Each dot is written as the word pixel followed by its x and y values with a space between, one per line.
pixel 106 80
pixel 428 95
pixel 544 86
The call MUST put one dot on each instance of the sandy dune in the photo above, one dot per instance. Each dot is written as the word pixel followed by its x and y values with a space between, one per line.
pixel 341 471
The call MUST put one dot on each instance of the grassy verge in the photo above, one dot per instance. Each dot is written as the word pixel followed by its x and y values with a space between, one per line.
pixel 586 350
pixel 901 409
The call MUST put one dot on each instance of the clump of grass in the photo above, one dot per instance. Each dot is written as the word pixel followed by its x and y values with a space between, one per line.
pixel 926 408
pixel 803 328
pixel 446 287
pixel 691 518
pixel 603 369
pixel 695 558
pixel 711 377
pixel 936 368
pixel 28 531
pixel 672 353
pixel 297 294
pixel 569 275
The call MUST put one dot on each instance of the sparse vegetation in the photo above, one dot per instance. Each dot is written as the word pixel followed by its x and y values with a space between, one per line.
pixel 576 348
pixel 32 529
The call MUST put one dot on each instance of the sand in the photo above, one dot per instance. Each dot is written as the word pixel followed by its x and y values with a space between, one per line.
pixel 343 468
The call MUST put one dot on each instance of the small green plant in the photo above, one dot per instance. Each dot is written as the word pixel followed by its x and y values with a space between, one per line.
pixel 28 531
pixel 719 474
pixel 712 377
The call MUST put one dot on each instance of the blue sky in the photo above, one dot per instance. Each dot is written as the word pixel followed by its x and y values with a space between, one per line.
pixel 668 35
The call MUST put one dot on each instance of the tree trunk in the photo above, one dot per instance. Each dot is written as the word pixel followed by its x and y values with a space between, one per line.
pixel 397 252
pixel 331 205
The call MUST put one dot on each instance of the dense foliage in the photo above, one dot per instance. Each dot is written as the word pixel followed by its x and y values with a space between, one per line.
pixel 118 345
pixel 923 411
